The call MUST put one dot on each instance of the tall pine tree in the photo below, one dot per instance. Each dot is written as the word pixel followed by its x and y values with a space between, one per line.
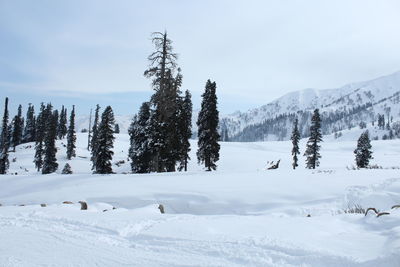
pixel 313 147
pixel 105 143
pixel 62 125
pixel 40 134
pixel 71 137
pixel 4 141
pixel 140 152
pixel 363 152
pixel 185 130
pixel 166 83
pixel 207 122
pixel 29 131
pixel 295 142
pixel 50 164
pixel 93 141
pixel 17 129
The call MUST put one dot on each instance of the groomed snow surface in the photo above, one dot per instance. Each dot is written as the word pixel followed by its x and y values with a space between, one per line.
pixel 240 215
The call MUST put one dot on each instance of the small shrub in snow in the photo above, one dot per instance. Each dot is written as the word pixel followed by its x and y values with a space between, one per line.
pixel 67 169
pixel 356 209
pixel 374 166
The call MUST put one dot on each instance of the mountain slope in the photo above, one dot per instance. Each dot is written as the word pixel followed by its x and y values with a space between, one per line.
pixel 364 99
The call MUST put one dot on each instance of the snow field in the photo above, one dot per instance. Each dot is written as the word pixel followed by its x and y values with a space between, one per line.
pixel 240 215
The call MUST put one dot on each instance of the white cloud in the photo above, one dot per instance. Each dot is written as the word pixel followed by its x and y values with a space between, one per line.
pixel 261 49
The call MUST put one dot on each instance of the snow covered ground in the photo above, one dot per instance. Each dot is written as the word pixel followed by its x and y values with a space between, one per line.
pixel 240 215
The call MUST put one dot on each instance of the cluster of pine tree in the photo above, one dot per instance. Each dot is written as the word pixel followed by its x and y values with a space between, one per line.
pixel 160 132
pixel 42 129
pixel 363 152
pixel 313 147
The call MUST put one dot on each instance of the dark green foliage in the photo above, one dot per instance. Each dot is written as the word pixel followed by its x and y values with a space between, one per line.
pixel 50 164
pixel 71 137
pixel 39 135
pixel 104 143
pixel 93 141
pixel 295 142
pixel 62 125
pixel 4 141
pixel 208 147
pixel 139 131
pixel 67 169
pixel 363 151
pixel 313 147
pixel 29 131
pixel 164 141
pixel 17 126
pixel 185 130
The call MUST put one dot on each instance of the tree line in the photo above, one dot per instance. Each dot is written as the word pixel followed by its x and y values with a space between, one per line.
pixel 159 133
pixel 363 152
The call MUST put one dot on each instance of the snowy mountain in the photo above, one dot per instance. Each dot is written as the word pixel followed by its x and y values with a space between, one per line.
pixel 351 104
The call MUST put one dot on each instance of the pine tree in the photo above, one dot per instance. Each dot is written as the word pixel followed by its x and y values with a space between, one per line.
pixel 313 147
pixel 4 141
pixel 50 164
pixel 164 140
pixel 139 151
pixel 363 151
pixel 29 131
pixel 93 141
pixel 62 125
pixel 207 122
pixel 56 117
pixel 185 130
pixel 295 141
pixel 17 129
pixel 67 169
pixel 105 140
pixel 39 136
pixel 71 137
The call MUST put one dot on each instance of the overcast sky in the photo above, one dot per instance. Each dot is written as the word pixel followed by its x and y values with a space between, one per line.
pixel 88 52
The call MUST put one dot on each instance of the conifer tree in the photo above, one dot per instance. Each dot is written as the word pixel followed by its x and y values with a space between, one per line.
pixel 39 135
pixel 56 117
pixel 207 122
pixel 185 130
pixel 67 169
pixel 93 141
pixel 105 140
pixel 62 125
pixel 164 142
pixel 4 141
pixel 363 152
pixel 29 131
pixel 295 141
pixel 17 129
pixel 140 152
pixel 50 164
pixel 71 137
pixel 313 147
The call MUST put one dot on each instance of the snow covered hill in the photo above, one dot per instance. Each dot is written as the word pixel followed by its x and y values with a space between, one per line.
pixel 240 215
pixel 355 102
